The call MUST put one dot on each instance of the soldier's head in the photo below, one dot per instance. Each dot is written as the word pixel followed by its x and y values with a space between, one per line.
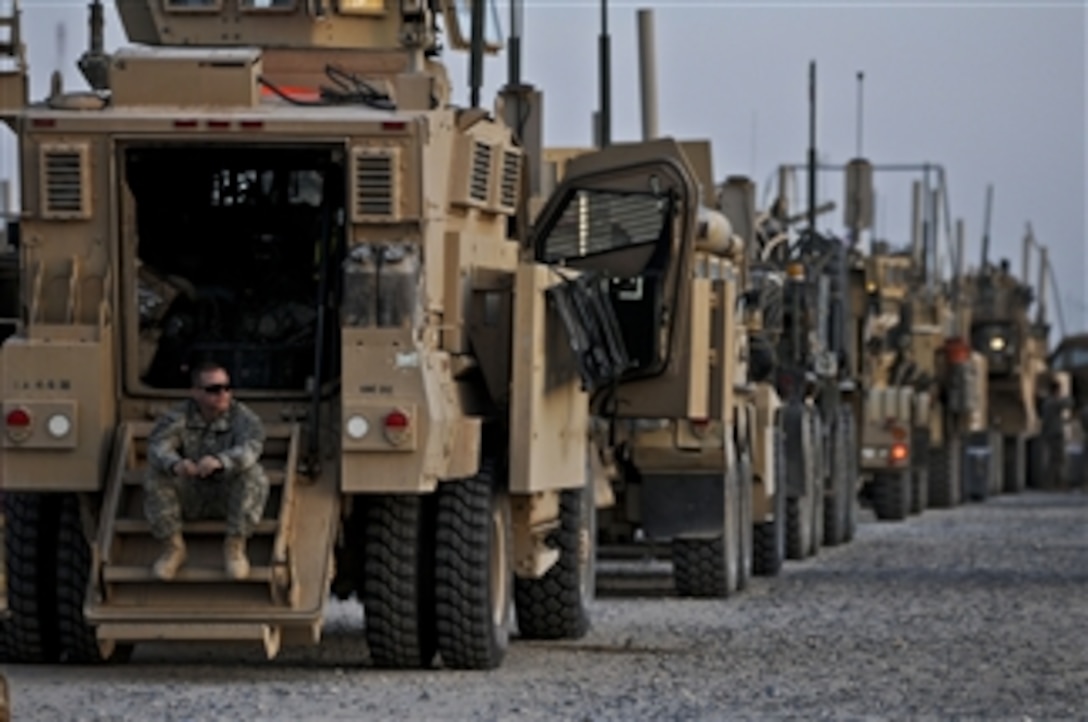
pixel 211 388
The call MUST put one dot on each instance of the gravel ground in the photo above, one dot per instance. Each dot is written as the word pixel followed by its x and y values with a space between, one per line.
pixel 974 612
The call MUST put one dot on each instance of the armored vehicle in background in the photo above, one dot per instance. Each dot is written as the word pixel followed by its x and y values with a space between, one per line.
pixel 1015 348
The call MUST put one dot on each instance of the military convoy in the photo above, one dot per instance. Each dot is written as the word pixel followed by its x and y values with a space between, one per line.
pixel 439 343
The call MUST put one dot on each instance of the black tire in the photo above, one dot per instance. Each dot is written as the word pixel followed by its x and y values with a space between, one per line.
pixel 473 577
pixel 1015 464
pixel 853 465
pixel 769 537
pixel 920 456
pixel 556 606
pixel 399 581
pixel 799 526
pixel 946 474
pixel 709 567
pixel 891 495
pixel 29 634
pixel 77 641
pixel 819 487
pixel 745 526
pixel 835 511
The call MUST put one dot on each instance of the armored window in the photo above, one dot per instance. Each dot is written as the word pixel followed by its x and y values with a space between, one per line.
pixel 268 5
pixel 598 221
pixel 193 5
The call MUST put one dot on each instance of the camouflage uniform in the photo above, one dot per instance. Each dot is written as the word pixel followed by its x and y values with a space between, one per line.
pixel 238 492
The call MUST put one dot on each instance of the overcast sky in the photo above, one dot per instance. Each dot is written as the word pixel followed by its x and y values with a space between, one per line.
pixel 994 91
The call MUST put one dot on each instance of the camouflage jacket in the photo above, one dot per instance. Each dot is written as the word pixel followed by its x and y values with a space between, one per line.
pixel 236 438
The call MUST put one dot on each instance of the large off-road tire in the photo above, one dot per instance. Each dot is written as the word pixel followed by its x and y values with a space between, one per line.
pixel 891 495
pixel 29 634
pixel 1015 460
pixel 556 606
pixel 835 504
pixel 853 465
pixel 946 474
pixel 399 581
pixel 473 572
pixel 799 523
pixel 76 639
pixel 744 522
pixel 819 488
pixel 710 567
pixel 919 490
pixel 769 537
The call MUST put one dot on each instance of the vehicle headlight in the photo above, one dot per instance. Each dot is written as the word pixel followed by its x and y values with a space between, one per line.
pixel 997 343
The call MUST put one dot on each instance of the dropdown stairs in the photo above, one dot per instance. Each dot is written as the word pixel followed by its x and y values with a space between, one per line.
pixel 290 558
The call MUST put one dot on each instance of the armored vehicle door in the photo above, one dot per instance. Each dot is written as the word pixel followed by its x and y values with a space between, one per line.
pixel 619 230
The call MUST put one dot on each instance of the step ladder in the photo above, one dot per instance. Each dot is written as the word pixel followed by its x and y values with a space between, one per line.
pixel 289 552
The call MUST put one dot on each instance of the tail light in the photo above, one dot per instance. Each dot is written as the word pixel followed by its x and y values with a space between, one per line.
pixel 898 452
pixel 957 351
pixel 396 425
pixel 17 423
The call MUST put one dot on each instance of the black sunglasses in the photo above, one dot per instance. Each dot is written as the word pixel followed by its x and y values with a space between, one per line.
pixel 216 388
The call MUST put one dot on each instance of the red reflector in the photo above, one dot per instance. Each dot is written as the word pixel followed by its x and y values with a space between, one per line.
pixel 43 123
pixel 396 420
pixel 899 452
pixel 218 124
pixel 394 125
pixel 251 124
pixel 18 417
pixel 184 123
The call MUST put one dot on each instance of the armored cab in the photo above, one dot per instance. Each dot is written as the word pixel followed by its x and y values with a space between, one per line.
pixel 284 187
pixel 689 444
pixel 799 283
pixel 1015 348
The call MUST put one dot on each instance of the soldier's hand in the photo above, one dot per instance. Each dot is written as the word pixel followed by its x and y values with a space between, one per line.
pixel 208 466
pixel 185 467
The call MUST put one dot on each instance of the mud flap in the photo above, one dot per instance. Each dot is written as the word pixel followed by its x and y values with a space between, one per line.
pixel 687 505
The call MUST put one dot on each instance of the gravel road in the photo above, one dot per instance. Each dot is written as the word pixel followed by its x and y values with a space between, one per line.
pixel 974 612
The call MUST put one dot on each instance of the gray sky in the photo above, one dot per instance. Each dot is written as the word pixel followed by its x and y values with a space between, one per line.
pixel 994 91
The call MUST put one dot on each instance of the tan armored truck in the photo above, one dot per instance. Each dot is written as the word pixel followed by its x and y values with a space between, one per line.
pixel 800 282
pixel 297 199
pixel 693 445
pixel 1015 348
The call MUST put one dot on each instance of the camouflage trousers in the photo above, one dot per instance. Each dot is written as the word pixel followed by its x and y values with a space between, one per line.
pixel 239 498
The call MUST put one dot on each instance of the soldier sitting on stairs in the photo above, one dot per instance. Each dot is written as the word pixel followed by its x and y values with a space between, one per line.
pixel 204 462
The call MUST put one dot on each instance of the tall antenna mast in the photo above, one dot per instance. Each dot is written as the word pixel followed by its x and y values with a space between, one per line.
pixel 812 146
pixel 861 85
pixel 604 120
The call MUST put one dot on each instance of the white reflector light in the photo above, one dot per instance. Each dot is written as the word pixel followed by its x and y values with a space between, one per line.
pixel 357 427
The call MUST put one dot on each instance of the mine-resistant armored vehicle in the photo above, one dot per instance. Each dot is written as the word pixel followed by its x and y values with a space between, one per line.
pixel 925 389
pixel 1015 348
pixel 284 187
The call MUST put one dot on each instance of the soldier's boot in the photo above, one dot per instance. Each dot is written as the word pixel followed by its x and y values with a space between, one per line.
pixel 173 556
pixel 234 557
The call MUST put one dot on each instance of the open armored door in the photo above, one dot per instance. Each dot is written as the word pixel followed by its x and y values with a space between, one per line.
pixel 623 221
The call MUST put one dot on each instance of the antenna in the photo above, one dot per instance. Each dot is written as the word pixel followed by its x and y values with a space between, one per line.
pixel 861 85
pixel 986 227
pixel 605 80
pixel 812 146
pixel 476 59
pixel 514 47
